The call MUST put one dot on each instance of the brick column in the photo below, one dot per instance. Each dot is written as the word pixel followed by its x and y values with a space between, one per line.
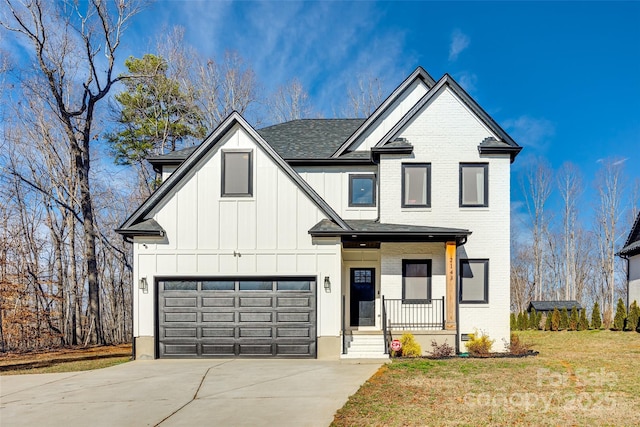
pixel 450 295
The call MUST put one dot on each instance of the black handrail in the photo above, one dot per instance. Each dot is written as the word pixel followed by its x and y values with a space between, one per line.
pixel 384 327
pixel 344 327
pixel 422 315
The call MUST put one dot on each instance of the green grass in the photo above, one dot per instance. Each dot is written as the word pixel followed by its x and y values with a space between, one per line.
pixel 81 365
pixel 579 378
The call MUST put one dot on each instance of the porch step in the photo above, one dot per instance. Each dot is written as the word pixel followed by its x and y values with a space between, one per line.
pixel 365 346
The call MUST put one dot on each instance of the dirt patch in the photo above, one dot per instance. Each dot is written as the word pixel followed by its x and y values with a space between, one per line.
pixel 16 361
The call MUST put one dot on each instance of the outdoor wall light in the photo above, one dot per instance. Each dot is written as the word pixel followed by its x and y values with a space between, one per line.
pixel 142 284
pixel 327 284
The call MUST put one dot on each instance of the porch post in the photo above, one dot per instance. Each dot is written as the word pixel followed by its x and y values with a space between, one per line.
pixel 450 255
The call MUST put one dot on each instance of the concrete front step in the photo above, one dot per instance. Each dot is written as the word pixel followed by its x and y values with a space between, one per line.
pixel 365 346
pixel 368 355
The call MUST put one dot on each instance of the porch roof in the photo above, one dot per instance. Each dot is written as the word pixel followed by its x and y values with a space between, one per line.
pixel 374 230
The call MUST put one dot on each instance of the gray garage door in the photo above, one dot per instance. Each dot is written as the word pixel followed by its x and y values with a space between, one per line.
pixel 230 317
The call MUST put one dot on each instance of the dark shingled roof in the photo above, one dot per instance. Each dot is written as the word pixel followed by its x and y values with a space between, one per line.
pixel 632 245
pixel 551 305
pixel 362 228
pixel 295 140
pixel 309 138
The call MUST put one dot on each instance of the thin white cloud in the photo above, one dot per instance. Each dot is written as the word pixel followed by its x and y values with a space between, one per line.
pixel 459 42
pixel 467 80
pixel 531 131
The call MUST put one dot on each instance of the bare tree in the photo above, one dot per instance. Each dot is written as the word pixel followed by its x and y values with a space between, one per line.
pixel 610 182
pixel 364 96
pixel 289 102
pixel 537 186
pixel 570 186
pixel 74 46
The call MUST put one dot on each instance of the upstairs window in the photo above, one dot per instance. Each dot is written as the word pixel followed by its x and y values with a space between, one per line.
pixel 416 280
pixel 474 184
pixel 416 185
pixel 237 179
pixel 362 190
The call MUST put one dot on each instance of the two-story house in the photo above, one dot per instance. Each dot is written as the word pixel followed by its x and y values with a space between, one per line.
pixel 329 237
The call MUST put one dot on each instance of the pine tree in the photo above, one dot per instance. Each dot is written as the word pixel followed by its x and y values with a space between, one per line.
pixel 620 317
pixel 583 323
pixel 513 322
pixel 555 320
pixel 547 322
pixel 573 319
pixel 525 320
pixel 634 317
pixel 596 317
pixel 540 326
pixel 533 319
pixel 564 319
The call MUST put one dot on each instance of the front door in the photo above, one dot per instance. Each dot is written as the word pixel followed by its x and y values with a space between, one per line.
pixel 363 297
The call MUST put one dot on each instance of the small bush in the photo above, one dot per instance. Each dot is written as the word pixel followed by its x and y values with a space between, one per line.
pixel 441 350
pixel 621 316
pixel 479 345
pixel 534 322
pixel 634 317
pixel 410 348
pixel 596 317
pixel 583 323
pixel 513 322
pixel 516 346
pixel 555 320
pixel 573 319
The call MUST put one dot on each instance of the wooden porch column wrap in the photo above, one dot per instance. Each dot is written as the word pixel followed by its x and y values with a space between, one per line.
pixel 450 323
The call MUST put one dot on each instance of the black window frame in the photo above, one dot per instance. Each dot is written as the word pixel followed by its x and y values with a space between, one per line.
pixel 374 184
pixel 429 263
pixel 249 175
pixel 486 185
pixel 427 166
pixel 485 261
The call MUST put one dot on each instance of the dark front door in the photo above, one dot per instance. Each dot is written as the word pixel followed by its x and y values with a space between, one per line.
pixel 363 296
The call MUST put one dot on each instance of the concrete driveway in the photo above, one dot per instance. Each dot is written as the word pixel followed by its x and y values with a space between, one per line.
pixel 236 392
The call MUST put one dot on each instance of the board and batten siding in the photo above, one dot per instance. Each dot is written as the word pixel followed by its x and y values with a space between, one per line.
pixel 446 133
pixel 634 279
pixel 209 235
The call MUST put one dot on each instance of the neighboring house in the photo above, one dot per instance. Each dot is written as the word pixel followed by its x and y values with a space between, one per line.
pixel 329 237
pixel 548 306
pixel 631 252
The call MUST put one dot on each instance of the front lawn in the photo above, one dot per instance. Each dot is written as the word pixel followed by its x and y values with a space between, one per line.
pixel 579 378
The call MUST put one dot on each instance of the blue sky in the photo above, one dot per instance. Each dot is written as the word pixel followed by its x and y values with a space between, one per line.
pixel 562 78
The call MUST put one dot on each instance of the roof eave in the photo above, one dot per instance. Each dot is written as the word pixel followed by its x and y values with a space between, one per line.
pixel 328 162
pixel 512 151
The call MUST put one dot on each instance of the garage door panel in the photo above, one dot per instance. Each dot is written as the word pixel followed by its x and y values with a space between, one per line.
pixel 218 317
pixel 256 332
pixel 266 316
pixel 180 332
pixel 256 302
pixel 294 301
pixel 230 318
pixel 180 317
pixel 218 302
pixel 218 332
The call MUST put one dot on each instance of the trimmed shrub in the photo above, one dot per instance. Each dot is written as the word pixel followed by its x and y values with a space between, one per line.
pixel 547 322
pixel 564 319
pixel 513 322
pixel 479 345
pixel 573 319
pixel 596 317
pixel 634 317
pixel 410 348
pixel 583 323
pixel 519 322
pixel 540 325
pixel 525 320
pixel 555 320
pixel 620 317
